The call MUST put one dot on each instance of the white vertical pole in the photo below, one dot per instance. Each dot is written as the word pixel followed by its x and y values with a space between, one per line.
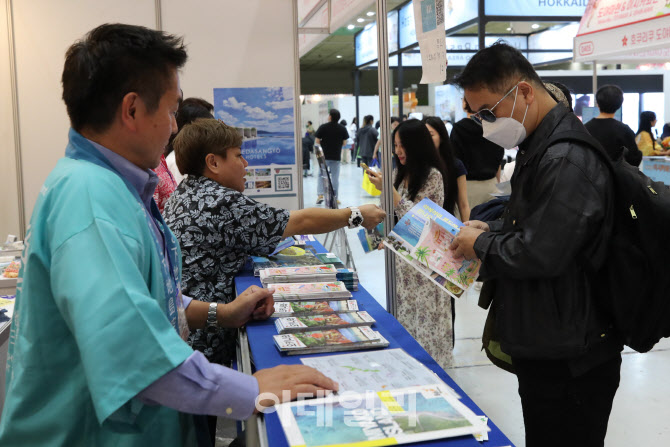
pixel 297 105
pixel 385 145
pixel 595 80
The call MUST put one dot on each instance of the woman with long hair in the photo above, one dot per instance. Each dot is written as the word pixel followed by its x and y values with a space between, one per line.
pixel 644 138
pixel 455 184
pixel 422 307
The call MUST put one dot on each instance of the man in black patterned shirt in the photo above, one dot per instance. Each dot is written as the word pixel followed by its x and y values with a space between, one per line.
pixel 218 227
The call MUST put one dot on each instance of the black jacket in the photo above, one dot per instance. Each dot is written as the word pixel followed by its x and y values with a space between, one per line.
pixel 557 219
pixel 480 156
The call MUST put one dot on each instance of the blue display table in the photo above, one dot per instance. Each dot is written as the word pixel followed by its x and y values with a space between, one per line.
pixel 265 355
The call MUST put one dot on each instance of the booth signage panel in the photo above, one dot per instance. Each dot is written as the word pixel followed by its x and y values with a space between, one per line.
pixel 457 12
pixel 366 40
pixel 535 8
pixel 657 168
pixel 554 39
pixel 472 42
pixel 406 26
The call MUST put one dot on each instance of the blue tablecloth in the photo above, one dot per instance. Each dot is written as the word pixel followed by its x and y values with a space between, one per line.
pixel 266 355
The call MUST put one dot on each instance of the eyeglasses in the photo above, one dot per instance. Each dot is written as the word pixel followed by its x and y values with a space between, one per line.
pixel 487 114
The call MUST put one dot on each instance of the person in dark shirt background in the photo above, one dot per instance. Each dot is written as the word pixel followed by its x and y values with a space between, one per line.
pixel 611 133
pixel 332 137
pixel 481 158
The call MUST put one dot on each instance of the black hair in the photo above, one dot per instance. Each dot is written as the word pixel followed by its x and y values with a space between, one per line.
pixel 189 110
pixel 334 115
pixel 609 98
pixel 446 153
pixel 395 119
pixel 111 61
pixel 368 119
pixel 420 156
pixel 666 131
pixel 645 122
pixel 343 122
pixel 377 125
pixel 496 68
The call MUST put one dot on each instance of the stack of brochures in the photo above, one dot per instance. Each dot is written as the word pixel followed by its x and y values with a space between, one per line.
pixel 311 273
pixel 295 256
pixel 335 290
pixel 385 398
pixel 422 238
pixel 299 308
pixel 306 323
pixel 347 339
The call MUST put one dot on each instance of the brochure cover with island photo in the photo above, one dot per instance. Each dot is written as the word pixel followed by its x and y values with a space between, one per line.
pixel 295 256
pixel 299 308
pixel 306 323
pixel 332 340
pixel 309 273
pixel 390 417
pixel 422 238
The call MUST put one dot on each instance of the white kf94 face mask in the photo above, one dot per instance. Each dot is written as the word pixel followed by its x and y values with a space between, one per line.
pixel 506 131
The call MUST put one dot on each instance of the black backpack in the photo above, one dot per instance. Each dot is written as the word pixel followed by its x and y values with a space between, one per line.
pixel 633 285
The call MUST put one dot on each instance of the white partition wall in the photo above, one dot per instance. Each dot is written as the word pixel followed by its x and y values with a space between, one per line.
pixel 9 203
pixel 231 44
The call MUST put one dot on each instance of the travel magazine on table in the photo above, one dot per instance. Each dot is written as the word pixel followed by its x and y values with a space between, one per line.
pixel 422 238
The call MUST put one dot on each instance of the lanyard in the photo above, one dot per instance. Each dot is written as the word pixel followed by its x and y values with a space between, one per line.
pixel 80 149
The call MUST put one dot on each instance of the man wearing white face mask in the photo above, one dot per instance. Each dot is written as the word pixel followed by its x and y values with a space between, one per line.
pixel 538 258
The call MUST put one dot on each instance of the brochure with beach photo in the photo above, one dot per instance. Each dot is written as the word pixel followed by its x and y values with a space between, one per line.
pixel 295 256
pixel 299 308
pixel 333 290
pixel 381 418
pixel 422 238
pixel 305 323
pixel 332 340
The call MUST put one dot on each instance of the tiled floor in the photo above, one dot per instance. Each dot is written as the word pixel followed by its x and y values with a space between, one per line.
pixel 641 414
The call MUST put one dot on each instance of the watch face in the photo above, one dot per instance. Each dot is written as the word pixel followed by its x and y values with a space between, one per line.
pixel 357 220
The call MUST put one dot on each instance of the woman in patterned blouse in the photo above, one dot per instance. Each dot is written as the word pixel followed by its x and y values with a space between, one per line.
pixel 218 226
pixel 423 308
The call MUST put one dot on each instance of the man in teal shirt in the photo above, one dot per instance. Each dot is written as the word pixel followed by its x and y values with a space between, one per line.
pixel 96 356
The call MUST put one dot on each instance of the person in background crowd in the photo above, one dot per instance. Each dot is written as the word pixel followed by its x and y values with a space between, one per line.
pixel 666 131
pixel 353 131
pixel 481 159
pixel 218 227
pixel 456 189
pixel 310 129
pixel 166 184
pixel 566 357
pixel 367 139
pixel 422 307
pixel 346 154
pixel 95 353
pixel 612 134
pixel 394 123
pixel 644 137
pixel 189 109
pixel 332 137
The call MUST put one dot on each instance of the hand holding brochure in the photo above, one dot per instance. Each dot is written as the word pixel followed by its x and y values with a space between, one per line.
pixel 422 238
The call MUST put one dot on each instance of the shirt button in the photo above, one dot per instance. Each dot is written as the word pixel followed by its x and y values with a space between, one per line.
pixel 229 410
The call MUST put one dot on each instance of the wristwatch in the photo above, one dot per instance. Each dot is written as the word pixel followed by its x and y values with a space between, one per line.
pixel 212 326
pixel 356 218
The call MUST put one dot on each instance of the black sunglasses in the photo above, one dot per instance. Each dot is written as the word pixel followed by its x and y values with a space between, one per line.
pixel 487 114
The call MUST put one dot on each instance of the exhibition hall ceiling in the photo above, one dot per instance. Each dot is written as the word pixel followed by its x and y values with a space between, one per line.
pixel 324 56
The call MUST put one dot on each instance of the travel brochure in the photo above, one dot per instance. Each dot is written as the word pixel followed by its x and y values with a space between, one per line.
pixel 309 291
pixel 296 308
pixel 422 238
pixel 374 370
pixel 389 417
pixel 332 340
pixel 286 325
pixel 312 273
pixel 295 256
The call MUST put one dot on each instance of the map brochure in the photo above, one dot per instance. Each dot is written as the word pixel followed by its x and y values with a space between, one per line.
pixel 374 370
pixel 390 417
pixel 310 273
pixel 335 290
pixel 331 340
pixel 299 308
pixel 320 322
pixel 422 238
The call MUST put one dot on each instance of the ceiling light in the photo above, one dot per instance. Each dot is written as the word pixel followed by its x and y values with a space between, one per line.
pixel 360 20
pixel 370 14
pixel 535 26
pixel 339 56
pixel 350 26
pixel 509 28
